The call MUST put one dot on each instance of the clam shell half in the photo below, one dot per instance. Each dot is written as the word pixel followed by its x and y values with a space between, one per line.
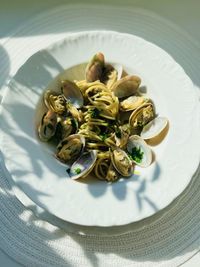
pixel 84 165
pixel 70 148
pixel 154 128
pixel 72 93
pixel 142 115
pixel 126 86
pixel 121 162
pixel 137 145
pixel 132 102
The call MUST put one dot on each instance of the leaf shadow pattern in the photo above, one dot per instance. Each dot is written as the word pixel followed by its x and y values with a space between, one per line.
pixel 5 61
pixel 39 66
pixel 22 232
pixel 150 240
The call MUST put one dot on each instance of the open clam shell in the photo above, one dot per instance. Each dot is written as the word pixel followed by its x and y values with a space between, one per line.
pixel 142 115
pixel 94 68
pixel 122 162
pixel 47 126
pixel 154 128
pixel 139 151
pixel 112 174
pixel 119 69
pixel 132 102
pixel 66 126
pixel 98 69
pixel 126 86
pixel 72 93
pixel 70 148
pixel 84 165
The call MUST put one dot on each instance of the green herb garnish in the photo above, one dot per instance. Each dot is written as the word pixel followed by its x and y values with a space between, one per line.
pixel 136 154
pixel 74 123
pixel 95 113
pixel 77 170
pixel 118 133
pixel 104 136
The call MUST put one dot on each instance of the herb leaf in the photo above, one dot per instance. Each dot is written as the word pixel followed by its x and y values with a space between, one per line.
pixel 136 154
pixel 74 123
pixel 77 170
pixel 104 136
pixel 95 113
pixel 118 133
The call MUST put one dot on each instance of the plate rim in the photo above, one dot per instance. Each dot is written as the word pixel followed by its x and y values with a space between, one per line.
pixel 74 35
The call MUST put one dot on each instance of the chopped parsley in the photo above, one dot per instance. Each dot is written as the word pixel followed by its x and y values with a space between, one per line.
pixel 95 113
pixel 74 123
pixel 103 136
pixel 118 133
pixel 136 154
pixel 77 170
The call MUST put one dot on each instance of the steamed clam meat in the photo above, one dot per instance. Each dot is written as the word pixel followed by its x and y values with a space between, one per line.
pixel 98 69
pixel 110 75
pixel 121 136
pixel 47 127
pixel 132 102
pixel 66 127
pixel 70 148
pixel 112 174
pixel 94 69
pixel 142 115
pixel 121 162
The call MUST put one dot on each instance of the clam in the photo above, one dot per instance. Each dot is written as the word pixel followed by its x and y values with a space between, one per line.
pixel 142 115
pixel 139 151
pixel 106 73
pixel 66 127
pixel 126 86
pixel 55 101
pixel 72 93
pixel 121 162
pixel 111 74
pixel 94 69
pixel 112 174
pixel 154 128
pixel 84 165
pixel 121 136
pixel 70 148
pixel 120 70
pixel 47 127
pixel 132 102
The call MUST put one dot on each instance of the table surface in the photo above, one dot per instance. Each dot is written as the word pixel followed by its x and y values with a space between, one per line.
pixel 182 12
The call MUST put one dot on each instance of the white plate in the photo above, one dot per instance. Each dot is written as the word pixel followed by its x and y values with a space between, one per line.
pixel 45 181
